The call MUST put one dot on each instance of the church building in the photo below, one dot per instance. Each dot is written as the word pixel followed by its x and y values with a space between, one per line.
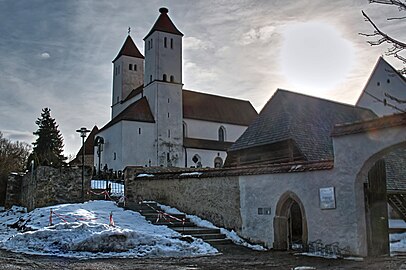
pixel 154 121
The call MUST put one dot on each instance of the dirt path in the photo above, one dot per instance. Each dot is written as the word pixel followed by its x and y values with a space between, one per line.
pixel 231 258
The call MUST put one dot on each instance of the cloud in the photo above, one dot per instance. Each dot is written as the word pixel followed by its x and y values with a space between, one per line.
pixel 45 55
pixel 262 34
pixel 194 43
pixel 17 135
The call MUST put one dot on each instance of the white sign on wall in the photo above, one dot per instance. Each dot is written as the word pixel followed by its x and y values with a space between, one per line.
pixel 327 198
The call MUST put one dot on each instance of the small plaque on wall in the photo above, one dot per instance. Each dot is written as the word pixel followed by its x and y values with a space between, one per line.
pixel 327 198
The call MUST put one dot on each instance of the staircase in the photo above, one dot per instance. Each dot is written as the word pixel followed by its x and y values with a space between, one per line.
pixel 180 223
pixel 398 203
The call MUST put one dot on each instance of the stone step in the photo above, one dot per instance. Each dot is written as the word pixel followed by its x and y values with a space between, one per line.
pixel 215 242
pixel 210 236
pixel 137 207
pixel 168 219
pixel 175 224
pixel 155 215
pixel 197 230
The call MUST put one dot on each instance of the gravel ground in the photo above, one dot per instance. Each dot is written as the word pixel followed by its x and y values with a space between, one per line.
pixel 232 257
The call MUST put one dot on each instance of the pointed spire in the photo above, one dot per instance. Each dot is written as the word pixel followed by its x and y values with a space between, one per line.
pixel 130 49
pixel 164 24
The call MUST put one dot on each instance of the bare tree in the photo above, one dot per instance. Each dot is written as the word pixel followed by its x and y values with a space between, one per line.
pixel 396 46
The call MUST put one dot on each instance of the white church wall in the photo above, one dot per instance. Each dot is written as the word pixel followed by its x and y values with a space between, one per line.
pixel 383 80
pixel 206 157
pixel 119 107
pixel 209 130
pixel 138 144
pixel 111 155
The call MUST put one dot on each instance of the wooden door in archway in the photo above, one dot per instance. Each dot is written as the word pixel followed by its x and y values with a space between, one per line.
pixel 376 210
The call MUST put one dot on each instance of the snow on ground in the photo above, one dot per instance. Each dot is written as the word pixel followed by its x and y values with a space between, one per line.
pixel 83 231
pixel 204 223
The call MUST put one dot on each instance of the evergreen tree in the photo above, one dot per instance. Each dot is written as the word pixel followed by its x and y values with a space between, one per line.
pixel 48 147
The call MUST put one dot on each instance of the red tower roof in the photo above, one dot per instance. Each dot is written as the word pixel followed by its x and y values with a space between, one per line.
pixel 164 24
pixel 130 49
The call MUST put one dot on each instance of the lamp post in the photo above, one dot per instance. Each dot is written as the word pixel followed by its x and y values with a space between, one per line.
pixel 83 131
pixel 99 141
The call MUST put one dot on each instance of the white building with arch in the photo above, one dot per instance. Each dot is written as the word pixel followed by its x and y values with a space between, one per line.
pixel 154 121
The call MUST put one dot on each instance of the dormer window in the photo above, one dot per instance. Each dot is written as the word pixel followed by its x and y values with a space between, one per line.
pixel 165 42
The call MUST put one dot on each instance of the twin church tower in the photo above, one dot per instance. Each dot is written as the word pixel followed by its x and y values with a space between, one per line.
pixel 154 122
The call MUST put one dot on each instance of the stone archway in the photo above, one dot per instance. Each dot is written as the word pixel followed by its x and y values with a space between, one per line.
pixel 373 178
pixel 290 224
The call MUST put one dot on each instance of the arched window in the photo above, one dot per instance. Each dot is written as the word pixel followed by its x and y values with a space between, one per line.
pixel 165 42
pixel 172 79
pixel 218 162
pixel 164 78
pixel 184 130
pixel 197 160
pixel 222 134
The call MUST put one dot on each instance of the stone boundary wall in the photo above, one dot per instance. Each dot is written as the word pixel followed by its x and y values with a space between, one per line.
pixel 215 199
pixel 47 186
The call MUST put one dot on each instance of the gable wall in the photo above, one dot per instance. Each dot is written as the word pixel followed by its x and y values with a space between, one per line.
pixel 209 130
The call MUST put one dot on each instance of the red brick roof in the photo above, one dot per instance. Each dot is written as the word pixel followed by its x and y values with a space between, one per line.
pixel 164 24
pixel 375 124
pixel 129 49
pixel 201 106
pixel 138 111
pixel 293 167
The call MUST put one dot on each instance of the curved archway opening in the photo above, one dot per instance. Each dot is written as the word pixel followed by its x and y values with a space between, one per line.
pixel 290 225
pixel 379 184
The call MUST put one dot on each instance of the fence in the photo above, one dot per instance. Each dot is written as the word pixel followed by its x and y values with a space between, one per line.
pixel 116 186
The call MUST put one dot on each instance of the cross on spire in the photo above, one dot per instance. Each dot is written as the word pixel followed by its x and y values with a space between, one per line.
pixel 129 30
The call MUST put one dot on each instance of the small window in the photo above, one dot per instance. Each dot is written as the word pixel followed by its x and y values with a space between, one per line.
pixel 130 66
pixel 168 100
pixel 114 156
pixel 168 159
pixel 172 79
pixel 169 133
pixel 118 99
pixel 135 67
pixel 165 41
pixel 118 69
pixel 152 41
pixel 184 130
pixel 171 43
pixel 218 162
pixel 222 134
pixel 388 80
pixel 168 115
pixel 378 83
pixel 149 44
pixel 150 78
pixel 164 78
pixel 139 130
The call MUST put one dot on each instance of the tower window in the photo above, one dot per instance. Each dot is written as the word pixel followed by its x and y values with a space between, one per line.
pixel 168 100
pixel 130 66
pixel 171 43
pixel 152 41
pixel 168 115
pixel 150 78
pixel 164 77
pixel 139 130
pixel 222 134
pixel 172 79
pixel 114 156
pixel 169 133
pixel 149 44
pixel 165 41
pixel 135 67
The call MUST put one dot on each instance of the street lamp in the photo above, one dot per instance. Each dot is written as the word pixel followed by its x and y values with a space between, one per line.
pixel 99 141
pixel 83 132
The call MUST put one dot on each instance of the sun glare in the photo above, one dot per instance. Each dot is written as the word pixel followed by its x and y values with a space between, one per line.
pixel 315 58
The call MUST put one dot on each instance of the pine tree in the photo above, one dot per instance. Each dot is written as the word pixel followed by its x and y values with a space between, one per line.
pixel 48 147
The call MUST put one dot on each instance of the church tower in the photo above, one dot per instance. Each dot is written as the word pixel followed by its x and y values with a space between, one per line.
pixel 128 73
pixel 163 88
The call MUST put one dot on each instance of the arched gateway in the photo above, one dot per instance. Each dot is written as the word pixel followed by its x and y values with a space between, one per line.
pixel 290 225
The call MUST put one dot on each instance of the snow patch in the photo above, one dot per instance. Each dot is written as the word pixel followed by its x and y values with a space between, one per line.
pixel 145 175
pixel 191 174
pixel 82 231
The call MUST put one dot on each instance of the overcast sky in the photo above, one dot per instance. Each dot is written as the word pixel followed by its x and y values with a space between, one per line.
pixel 58 54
